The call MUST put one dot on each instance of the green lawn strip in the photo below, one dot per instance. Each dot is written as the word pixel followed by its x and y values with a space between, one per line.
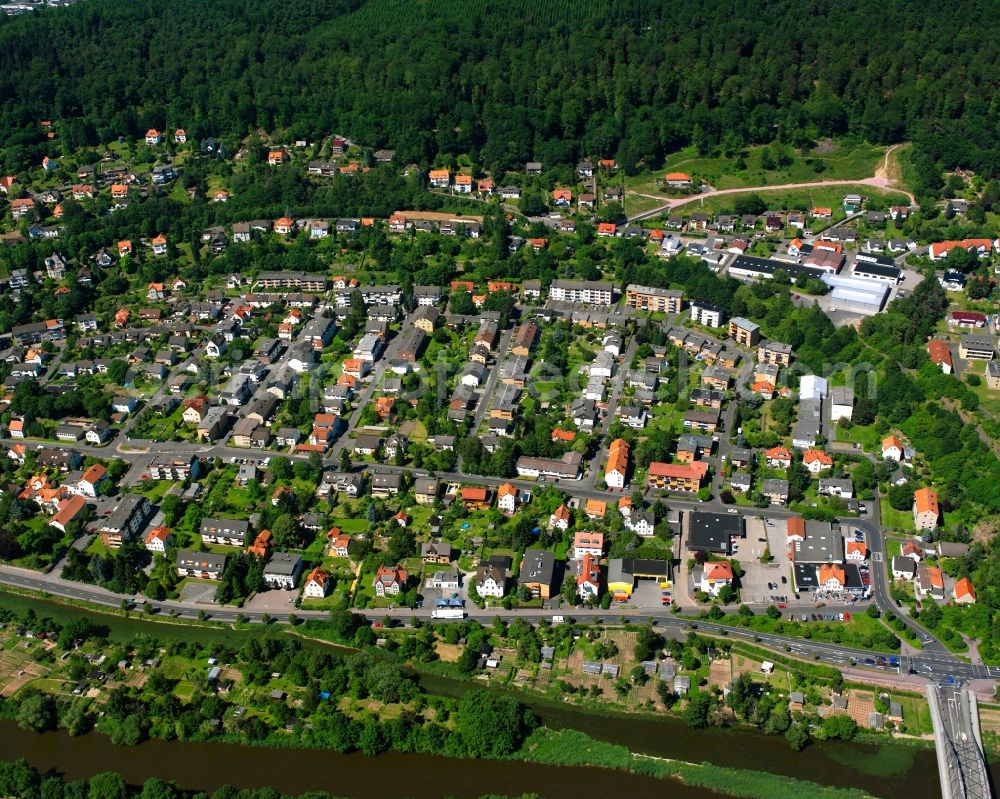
pixel 861 632
pixel 573 748
pixel 899 519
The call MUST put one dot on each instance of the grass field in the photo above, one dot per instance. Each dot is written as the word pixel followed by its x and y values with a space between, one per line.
pixel 989 398
pixel 841 161
pixel 866 435
pixel 900 519
pixel 800 199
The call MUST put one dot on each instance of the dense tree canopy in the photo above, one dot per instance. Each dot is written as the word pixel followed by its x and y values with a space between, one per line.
pixel 509 82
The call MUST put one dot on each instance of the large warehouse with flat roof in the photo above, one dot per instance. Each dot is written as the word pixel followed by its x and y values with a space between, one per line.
pixel 854 294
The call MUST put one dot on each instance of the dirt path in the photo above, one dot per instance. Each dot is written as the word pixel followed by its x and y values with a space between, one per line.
pixel 879 180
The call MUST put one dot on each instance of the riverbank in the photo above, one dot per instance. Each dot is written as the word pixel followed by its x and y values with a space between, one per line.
pixel 570 748
pixel 209 766
pixel 653 734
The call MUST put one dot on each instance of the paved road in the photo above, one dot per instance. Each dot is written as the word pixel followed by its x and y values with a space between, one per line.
pixel 595 467
pixel 365 395
pixel 961 763
pixel 725 440
pixel 485 397
pixel 931 666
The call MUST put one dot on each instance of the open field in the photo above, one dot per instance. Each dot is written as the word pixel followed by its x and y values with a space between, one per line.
pixel 791 199
pixel 837 161
pixel 891 517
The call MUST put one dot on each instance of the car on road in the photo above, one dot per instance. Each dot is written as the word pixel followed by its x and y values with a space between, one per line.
pixel 784 580
pixel 733 510
pixel 869 662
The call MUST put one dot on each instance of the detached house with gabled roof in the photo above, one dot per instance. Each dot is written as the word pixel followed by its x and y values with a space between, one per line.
pixel 588 577
pixel 390 581
pixel 560 518
pixel 508 498
pixel 892 448
pixel 439 178
pixel 964 592
pixel 317 584
pixel 816 461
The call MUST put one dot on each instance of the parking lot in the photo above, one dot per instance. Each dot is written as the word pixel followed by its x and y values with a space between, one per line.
pixel 275 600
pixel 201 592
pixel 647 594
pixel 760 582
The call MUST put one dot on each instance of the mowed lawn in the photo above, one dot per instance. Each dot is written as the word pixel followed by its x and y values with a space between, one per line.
pixel 900 519
pixel 838 161
pixel 802 199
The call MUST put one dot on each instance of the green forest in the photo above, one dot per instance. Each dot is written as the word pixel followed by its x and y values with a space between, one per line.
pixel 506 83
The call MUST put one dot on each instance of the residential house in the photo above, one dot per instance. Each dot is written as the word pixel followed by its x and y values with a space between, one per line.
pixel 714 576
pixel 437 551
pixel 964 592
pixel 929 582
pixel 390 581
pixel 588 542
pixel 926 511
pixel 707 314
pixel 892 448
pixel 776 491
pixel 560 518
pixel 743 331
pixel 203 565
pixel 683 477
pixel 317 584
pixel 537 573
pixel 157 539
pixel 903 568
pixel 230 532
pixel 508 498
pixel 282 571
pixel 616 470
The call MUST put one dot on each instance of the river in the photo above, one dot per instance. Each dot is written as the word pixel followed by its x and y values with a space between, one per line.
pixel 206 766
pixel 890 771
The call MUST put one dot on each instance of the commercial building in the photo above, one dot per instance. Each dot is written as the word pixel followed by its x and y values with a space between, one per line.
pixel 712 532
pixel 865 297
pixel 977 348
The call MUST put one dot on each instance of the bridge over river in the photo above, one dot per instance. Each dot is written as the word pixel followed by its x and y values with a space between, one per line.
pixel 961 762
